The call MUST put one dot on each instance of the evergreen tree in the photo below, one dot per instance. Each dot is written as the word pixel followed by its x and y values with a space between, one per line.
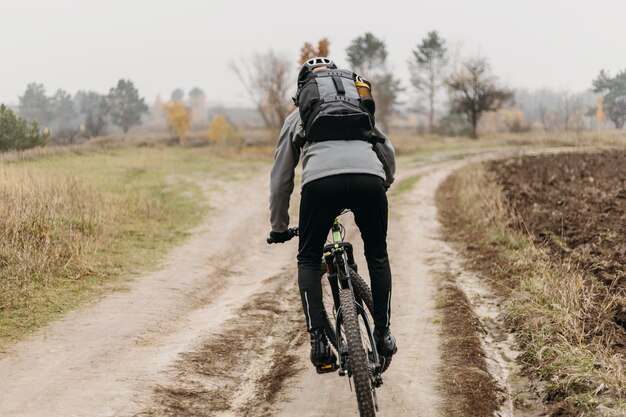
pixel 35 105
pixel 15 134
pixel 429 60
pixel 63 113
pixel 368 57
pixel 126 107
pixel 177 95
pixel 614 99
pixel 367 54
pixel 95 109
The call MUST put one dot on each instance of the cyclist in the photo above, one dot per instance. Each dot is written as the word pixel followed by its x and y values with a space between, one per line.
pixel 336 174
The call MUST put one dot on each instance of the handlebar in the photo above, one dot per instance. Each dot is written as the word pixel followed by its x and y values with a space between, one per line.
pixel 290 234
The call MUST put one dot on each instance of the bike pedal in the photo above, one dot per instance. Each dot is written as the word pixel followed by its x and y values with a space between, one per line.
pixel 325 369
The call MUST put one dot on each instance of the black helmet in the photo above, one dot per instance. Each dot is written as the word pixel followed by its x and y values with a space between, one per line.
pixel 313 63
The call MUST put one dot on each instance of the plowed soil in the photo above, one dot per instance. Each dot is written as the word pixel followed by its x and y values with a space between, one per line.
pixel 575 204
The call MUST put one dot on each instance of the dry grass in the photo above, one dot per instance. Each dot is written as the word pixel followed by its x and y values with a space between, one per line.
pixel 73 225
pixel 412 145
pixel 562 317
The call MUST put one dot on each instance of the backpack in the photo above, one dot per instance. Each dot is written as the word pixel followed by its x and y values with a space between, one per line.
pixel 335 104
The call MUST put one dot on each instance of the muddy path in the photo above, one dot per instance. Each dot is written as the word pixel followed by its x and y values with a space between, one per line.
pixel 218 330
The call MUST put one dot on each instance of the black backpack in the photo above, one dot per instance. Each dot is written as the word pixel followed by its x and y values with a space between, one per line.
pixel 335 104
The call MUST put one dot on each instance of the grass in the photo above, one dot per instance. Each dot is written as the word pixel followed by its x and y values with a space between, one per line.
pixel 412 149
pixel 75 224
pixel 561 316
pixel 406 184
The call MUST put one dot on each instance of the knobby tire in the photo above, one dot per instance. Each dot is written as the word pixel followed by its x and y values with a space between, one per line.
pixel 363 292
pixel 358 360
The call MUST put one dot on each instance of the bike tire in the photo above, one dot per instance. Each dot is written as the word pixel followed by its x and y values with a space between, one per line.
pixel 358 360
pixel 363 292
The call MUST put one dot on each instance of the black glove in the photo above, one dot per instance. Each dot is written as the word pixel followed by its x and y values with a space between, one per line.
pixel 282 237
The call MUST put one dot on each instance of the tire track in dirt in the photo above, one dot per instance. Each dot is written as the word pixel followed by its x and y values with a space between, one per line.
pixel 103 359
pixel 419 258
pixel 410 383
pixel 240 370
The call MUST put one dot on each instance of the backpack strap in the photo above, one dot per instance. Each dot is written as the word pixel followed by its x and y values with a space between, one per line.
pixel 339 85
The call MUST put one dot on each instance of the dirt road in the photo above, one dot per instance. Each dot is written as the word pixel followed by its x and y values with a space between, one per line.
pixel 217 330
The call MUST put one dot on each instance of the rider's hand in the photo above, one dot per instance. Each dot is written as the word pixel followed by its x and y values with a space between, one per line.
pixel 281 237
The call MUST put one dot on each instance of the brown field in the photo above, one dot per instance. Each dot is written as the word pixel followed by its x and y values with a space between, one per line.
pixel 546 233
pixel 575 204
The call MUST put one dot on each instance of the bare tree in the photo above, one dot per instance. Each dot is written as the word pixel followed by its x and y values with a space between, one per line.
pixel 473 91
pixel 268 78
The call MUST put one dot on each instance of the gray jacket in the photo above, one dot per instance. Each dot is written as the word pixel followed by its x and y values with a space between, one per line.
pixel 319 160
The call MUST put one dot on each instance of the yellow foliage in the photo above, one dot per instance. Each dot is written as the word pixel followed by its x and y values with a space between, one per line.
pixel 221 132
pixel 178 119
pixel 600 115
pixel 308 51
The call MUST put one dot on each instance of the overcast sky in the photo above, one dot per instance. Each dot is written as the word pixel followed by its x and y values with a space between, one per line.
pixel 161 45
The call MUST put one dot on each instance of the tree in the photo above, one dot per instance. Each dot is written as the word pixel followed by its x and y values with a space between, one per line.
pixel 177 95
pixel 15 134
pixel 95 110
pixel 614 99
pixel 126 107
pixel 599 114
pixel 308 51
pixel 35 105
pixel 196 102
pixel 368 55
pixel 429 60
pixel 473 91
pixel 571 109
pixel 157 110
pixel 385 92
pixel 222 132
pixel 178 119
pixel 64 115
pixel 268 78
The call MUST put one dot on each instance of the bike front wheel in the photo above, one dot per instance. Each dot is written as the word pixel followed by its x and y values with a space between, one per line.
pixel 358 360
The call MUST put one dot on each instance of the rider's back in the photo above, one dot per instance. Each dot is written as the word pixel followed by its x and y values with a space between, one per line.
pixel 333 157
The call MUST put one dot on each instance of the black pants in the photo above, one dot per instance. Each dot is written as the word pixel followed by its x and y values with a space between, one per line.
pixel 321 201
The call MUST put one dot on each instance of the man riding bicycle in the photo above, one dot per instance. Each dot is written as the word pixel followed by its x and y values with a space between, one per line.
pixel 336 174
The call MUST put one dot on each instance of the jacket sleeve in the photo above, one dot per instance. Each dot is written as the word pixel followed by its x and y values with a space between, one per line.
pixel 386 154
pixel 282 176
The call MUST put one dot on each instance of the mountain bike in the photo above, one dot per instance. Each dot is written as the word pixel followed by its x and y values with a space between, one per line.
pixel 349 309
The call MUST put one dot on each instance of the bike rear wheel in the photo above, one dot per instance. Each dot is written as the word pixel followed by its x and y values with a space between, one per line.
pixel 358 360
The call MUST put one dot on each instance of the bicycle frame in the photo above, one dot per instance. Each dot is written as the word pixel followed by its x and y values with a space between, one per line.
pixel 339 258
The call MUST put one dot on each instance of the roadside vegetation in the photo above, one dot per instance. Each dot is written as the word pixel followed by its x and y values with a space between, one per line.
pixel 564 315
pixel 76 223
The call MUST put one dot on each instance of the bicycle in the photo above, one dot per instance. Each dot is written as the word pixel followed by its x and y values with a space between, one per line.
pixel 348 328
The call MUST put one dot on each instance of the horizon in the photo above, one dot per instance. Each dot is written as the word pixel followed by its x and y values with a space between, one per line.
pixel 69 45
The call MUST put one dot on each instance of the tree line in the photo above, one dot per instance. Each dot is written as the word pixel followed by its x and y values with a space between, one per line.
pixel 63 118
pixel 453 96
pixel 269 78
